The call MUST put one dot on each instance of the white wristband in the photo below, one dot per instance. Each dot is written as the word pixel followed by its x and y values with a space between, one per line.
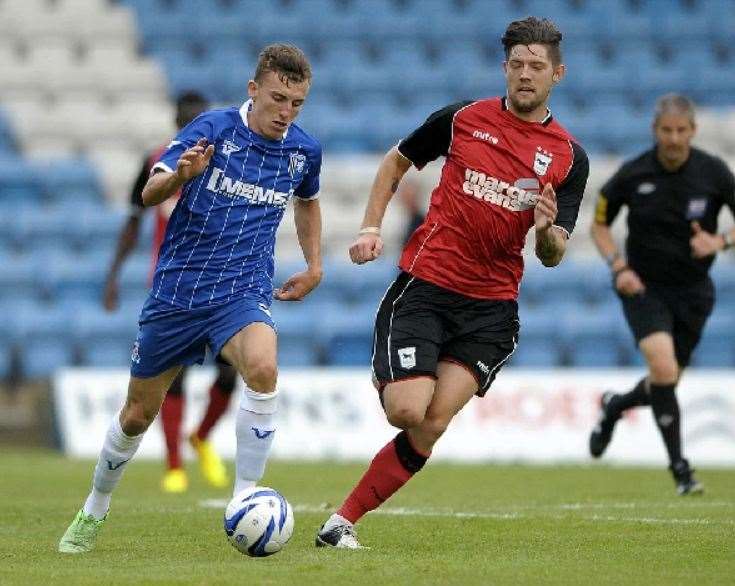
pixel 370 230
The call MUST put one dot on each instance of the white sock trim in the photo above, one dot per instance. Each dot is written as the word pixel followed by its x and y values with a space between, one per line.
pixel 263 403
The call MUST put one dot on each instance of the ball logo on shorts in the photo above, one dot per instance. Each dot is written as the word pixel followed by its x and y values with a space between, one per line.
pixel 407 356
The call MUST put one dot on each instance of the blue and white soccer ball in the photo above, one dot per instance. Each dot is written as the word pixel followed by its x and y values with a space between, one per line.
pixel 258 521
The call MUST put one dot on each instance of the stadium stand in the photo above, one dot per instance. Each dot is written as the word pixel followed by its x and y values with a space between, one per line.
pixel 86 91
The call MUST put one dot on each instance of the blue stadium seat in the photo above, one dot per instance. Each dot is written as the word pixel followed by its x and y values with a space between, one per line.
pixel 105 339
pixel 346 335
pixel 716 348
pixel 6 353
pixel 296 325
pixel 19 182
pixel 18 280
pixel 567 282
pixel 70 181
pixel 592 339
pixel 45 341
pixel 540 343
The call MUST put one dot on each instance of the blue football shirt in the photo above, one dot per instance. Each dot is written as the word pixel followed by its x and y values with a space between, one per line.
pixel 221 237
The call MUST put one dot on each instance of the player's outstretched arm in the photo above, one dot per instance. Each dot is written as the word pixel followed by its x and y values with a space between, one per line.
pixel 551 242
pixel 369 244
pixel 308 219
pixel 192 162
pixel 126 243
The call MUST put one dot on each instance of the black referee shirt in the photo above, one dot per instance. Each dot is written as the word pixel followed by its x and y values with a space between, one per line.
pixel 661 207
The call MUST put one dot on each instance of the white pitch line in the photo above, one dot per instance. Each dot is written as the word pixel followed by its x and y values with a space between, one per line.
pixel 511 515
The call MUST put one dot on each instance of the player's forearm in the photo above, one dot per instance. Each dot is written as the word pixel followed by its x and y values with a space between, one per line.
pixel 388 177
pixel 308 219
pixel 125 245
pixel 550 246
pixel 160 187
pixel 602 237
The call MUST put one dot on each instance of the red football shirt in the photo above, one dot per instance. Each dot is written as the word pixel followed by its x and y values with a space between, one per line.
pixel 472 239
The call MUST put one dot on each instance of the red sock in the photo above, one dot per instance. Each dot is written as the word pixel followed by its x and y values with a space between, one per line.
pixel 172 412
pixel 391 468
pixel 218 401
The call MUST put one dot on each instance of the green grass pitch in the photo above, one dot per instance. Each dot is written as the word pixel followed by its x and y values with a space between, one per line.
pixel 487 524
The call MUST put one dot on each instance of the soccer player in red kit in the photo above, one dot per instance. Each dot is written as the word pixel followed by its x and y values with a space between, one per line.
pixel 188 106
pixel 449 322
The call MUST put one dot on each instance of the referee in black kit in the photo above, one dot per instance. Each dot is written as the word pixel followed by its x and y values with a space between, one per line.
pixel 674 193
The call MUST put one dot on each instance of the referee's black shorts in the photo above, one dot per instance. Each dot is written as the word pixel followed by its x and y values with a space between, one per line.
pixel 679 310
pixel 419 324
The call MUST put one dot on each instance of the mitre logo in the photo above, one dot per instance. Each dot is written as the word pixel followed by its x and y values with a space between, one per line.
pixel 486 136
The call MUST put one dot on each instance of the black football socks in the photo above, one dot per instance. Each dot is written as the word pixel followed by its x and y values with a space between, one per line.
pixel 666 413
pixel 638 397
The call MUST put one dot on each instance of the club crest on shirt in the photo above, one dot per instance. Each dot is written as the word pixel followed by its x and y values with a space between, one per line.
pixel 541 161
pixel 296 162
pixel 696 208
pixel 229 147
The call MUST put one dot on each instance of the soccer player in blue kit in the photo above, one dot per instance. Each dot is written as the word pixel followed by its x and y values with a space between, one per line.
pixel 237 169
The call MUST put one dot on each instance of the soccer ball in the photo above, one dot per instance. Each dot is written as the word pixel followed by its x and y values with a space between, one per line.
pixel 258 521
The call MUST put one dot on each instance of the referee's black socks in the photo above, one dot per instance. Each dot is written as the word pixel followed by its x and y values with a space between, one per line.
pixel 666 413
pixel 638 397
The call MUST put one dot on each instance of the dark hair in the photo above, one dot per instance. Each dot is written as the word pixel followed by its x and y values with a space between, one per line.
pixel 674 104
pixel 288 61
pixel 530 31
pixel 188 106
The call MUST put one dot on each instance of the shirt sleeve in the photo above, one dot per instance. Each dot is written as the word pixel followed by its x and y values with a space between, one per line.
pixel 431 140
pixel 570 192
pixel 309 186
pixel 136 193
pixel 728 189
pixel 611 199
pixel 201 127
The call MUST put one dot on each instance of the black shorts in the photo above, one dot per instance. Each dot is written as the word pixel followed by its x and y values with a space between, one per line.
pixel 419 324
pixel 679 310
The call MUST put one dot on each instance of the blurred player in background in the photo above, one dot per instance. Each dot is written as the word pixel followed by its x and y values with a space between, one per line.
pixel 188 106
pixel 674 193
pixel 237 168
pixel 449 322
pixel 410 198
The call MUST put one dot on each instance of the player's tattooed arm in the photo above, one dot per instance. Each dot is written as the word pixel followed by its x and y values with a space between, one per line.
pixel 369 244
pixel 551 241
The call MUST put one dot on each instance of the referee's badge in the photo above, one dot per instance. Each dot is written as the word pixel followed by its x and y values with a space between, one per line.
pixel 696 209
pixel 296 163
pixel 541 161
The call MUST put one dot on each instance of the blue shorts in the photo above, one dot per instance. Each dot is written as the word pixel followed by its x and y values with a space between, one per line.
pixel 171 336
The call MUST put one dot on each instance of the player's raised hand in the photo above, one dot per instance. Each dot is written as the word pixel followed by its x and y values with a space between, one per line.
pixel 367 247
pixel 298 286
pixel 194 160
pixel 545 211
pixel 704 244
